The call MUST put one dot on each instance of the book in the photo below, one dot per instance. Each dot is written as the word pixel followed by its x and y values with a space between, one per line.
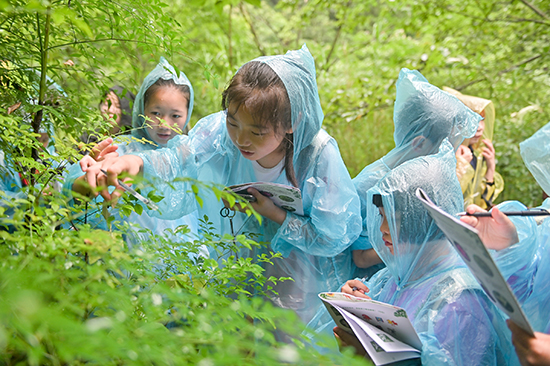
pixel 465 239
pixel 283 196
pixel 384 330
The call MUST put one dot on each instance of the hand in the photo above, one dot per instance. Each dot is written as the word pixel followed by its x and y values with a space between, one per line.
pixel 265 207
pixel 465 153
pixel 349 340
pixel 530 350
pixel 104 149
pixel 100 152
pixel 114 167
pixel 496 232
pixel 488 153
pixel 355 288
pixel 262 205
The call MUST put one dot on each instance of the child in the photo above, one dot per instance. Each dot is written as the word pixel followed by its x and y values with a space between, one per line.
pixel 423 116
pixel 521 245
pixel 476 164
pixel 455 320
pixel 115 106
pixel 163 96
pixel 270 130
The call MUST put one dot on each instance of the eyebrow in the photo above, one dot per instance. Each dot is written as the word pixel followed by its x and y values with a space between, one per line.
pixel 260 127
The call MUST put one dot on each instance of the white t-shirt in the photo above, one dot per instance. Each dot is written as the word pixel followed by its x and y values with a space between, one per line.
pixel 268 174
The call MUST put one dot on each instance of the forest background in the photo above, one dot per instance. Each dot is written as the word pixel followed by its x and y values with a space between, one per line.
pixel 499 50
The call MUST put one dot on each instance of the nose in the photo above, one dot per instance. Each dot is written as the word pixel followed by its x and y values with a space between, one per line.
pixel 384 226
pixel 241 138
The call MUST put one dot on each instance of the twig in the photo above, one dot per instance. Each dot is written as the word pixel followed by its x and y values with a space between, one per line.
pixel 98 40
pixel 335 40
pixel 535 9
pixel 524 62
pixel 252 29
pixel 230 48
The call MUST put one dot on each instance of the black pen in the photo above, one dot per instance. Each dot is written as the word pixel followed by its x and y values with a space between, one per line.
pixel 539 212
pixel 134 193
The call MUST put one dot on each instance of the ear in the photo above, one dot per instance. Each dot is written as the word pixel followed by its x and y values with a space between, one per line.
pixel 418 142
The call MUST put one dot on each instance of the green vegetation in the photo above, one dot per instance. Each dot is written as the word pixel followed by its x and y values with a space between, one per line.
pixel 78 296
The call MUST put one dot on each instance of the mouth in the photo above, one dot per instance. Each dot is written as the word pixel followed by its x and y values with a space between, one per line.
pixel 388 244
pixel 164 136
pixel 246 153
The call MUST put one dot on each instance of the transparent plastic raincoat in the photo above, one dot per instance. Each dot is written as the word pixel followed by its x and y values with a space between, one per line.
pixel 423 116
pixel 473 182
pixel 455 320
pixel 526 265
pixel 314 245
pixel 157 225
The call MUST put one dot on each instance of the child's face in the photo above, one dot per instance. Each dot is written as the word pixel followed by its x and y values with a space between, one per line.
pixel 475 139
pixel 110 108
pixel 255 142
pixel 480 128
pixel 385 229
pixel 167 108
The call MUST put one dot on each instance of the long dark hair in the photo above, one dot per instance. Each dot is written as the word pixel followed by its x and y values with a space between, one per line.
pixel 263 93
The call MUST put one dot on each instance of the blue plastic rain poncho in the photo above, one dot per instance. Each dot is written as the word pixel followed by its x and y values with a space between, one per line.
pixel 423 116
pixel 456 321
pixel 526 265
pixel 314 245
pixel 158 226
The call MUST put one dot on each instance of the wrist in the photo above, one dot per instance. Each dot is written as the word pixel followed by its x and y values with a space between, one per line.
pixel 279 215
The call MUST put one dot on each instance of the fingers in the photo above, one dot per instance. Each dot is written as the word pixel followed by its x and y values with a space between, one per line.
pixel 520 338
pixel 86 162
pixel 96 151
pixel 472 220
pixel 355 288
pixel 109 152
pixel 474 208
pixel 489 145
pixel 346 339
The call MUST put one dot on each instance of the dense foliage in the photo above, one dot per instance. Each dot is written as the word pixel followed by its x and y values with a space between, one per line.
pixel 72 296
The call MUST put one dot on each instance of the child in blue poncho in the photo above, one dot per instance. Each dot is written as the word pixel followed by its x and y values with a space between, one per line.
pixel 423 115
pixel 162 108
pixel 520 247
pixel 270 130
pixel 455 320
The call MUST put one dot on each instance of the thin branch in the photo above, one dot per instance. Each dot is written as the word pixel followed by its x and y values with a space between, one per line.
pixel 252 29
pixel 535 9
pixel 524 62
pixel 230 49
pixel 22 38
pixel 517 20
pixel 335 40
pixel 97 40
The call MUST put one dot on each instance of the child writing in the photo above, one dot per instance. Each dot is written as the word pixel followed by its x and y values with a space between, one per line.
pixel 521 249
pixel 163 106
pixel 270 130
pixel 455 320
pixel 423 115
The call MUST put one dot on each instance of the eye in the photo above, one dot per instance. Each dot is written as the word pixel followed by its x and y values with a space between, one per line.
pixel 176 116
pixel 154 113
pixel 258 133
pixel 230 123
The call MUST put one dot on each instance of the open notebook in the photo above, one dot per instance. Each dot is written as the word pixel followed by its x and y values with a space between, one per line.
pixel 384 330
